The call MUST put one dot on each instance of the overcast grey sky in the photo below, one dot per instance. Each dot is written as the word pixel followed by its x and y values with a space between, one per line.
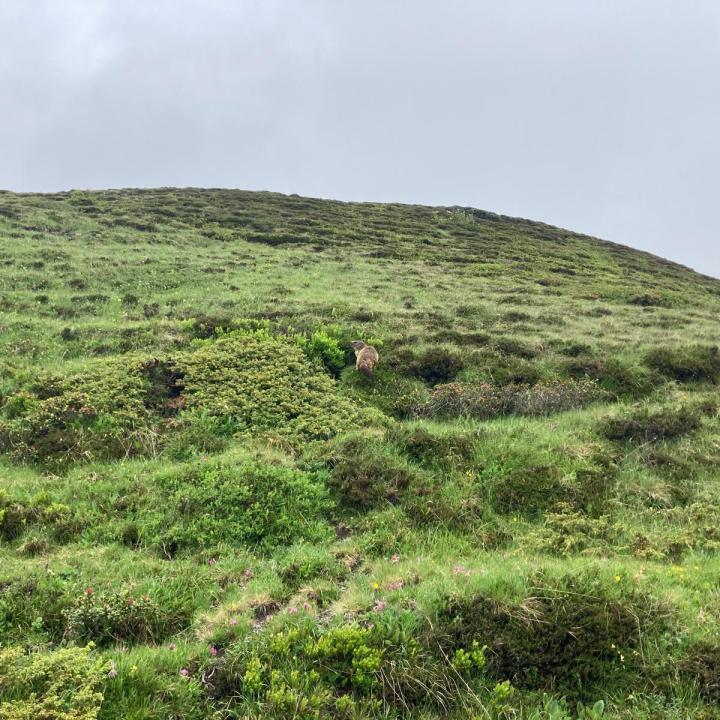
pixel 597 115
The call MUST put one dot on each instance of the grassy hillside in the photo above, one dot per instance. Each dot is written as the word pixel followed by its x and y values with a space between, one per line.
pixel 205 511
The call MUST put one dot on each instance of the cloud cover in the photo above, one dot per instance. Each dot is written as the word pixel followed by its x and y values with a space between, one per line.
pixel 601 117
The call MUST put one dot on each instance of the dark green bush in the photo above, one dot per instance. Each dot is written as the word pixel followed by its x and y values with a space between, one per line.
pixel 615 376
pixel 17 516
pixel 391 392
pixel 512 346
pixel 701 666
pixel 568 348
pixel 651 300
pixel 366 472
pixel 567 532
pixel 486 401
pixel 304 562
pixel 25 598
pixel 651 425
pixel 196 432
pixel 461 338
pixel 527 490
pixel 434 365
pixel 211 502
pixel 454 448
pixel 118 616
pixel 501 369
pixel 568 635
pixel 121 407
pixel 210 325
pixel 687 364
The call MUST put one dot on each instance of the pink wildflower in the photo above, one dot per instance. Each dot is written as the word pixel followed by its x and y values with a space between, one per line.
pixel 213 651
pixel 306 606
pixel 395 585
pixel 212 561
pixel 380 605
pixel 233 621
pixel 184 672
pixel 395 558
pixel 460 570
pixel 292 610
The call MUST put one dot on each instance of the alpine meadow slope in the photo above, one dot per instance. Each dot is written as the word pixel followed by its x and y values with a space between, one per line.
pixel 207 512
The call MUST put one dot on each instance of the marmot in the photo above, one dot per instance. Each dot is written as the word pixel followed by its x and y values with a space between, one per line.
pixel 366 357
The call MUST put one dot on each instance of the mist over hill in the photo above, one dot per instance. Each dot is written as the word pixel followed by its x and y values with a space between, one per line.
pixel 206 511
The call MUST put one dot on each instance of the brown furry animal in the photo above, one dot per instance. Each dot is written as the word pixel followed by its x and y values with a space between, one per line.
pixel 366 357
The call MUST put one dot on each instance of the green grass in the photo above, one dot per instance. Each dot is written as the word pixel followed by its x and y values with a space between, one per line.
pixel 205 511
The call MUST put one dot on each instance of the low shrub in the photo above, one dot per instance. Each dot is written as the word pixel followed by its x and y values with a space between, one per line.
pixel 512 346
pixel 366 472
pixel 516 476
pixel 304 562
pixel 113 617
pixel 392 393
pixel 567 532
pixel 686 364
pixel 497 368
pixel 434 365
pixel 645 424
pixel 569 634
pixel 356 669
pixel 528 490
pixel 381 532
pixel 32 607
pixel 701 666
pixel 195 433
pixel 263 383
pixel 210 325
pixel 487 401
pixel 17 516
pixel 617 377
pixel 66 683
pixel 551 397
pixel 211 502
pixel 129 406
pixel 461 338
pixel 651 300
pixel 103 412
pixel 408 468
pixel 461 399
pixel 323 349
pixel 571 349
pixel 449 449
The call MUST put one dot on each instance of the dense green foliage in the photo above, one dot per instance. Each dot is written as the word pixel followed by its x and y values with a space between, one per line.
pixel 206 512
